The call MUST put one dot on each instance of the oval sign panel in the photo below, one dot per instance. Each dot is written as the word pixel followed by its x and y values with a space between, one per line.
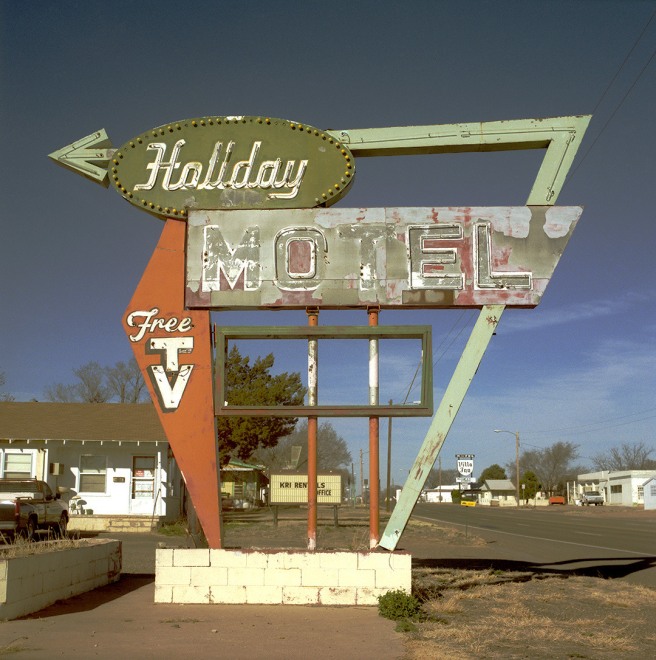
pixel 231 163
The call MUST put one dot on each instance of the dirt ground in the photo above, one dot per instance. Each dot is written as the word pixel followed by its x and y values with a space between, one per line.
pixel 465 612
pixel 486 613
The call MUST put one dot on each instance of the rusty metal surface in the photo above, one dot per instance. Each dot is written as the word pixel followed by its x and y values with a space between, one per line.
pixel 389 257
pixel 231 162
pixel 441 423
pixel 560 137
pixel 173 349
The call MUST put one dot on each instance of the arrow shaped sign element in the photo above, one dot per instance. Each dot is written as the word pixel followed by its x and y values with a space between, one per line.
pixel 89 157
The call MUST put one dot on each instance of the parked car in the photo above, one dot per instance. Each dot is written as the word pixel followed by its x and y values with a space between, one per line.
pixel 28 507
pixel 556 499
pixel 592 497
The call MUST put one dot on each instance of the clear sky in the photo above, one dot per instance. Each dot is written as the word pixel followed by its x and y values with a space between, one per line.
pixel 581 367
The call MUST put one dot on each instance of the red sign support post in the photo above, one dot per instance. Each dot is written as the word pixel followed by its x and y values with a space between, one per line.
pixel 170 343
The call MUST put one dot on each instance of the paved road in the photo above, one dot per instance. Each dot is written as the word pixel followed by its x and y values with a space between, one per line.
pixel 593 541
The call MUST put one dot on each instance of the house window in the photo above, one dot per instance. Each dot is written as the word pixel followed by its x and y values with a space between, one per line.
pixel 616 489
pixel 641 493
pixel 17 465
pixel 93 473
pixel 143 477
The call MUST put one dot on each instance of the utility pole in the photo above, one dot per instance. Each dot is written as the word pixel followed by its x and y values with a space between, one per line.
pixel 389 459
pixel 516 434
pixel 517 464
pixel 361 476
pixel 440 477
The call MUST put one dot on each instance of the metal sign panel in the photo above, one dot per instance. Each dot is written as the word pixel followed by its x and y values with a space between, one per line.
pixel 293 489
pixel 387 257
pixel 231 162
pixel 423 407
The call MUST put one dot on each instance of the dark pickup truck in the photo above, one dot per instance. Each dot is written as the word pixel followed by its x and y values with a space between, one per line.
pixel 28 506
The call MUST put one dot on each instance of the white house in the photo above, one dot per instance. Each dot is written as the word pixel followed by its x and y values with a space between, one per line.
pixel 105 459
pixel 441 494
pixel 498 492
pixel 620 487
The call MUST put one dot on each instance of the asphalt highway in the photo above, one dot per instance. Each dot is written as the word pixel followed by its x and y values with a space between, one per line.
pixel 602 541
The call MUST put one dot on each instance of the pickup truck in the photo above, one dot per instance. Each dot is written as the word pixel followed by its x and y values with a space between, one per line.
pixel 592 497
pixel 27 507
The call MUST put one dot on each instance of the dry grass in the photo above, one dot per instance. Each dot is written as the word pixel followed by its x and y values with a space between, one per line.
pixel 488 614
pixel 23 548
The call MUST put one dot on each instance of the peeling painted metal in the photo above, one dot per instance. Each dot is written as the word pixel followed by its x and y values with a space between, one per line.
pixel 385 257
pixel 442 421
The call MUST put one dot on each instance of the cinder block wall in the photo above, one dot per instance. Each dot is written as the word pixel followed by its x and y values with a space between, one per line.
pixel 30 583
pixel 278 577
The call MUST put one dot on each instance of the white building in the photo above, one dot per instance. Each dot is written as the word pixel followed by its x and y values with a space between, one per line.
pixel 104 459
pixel 498 492
pixel 649 489
pixel 622 487
pixel 442 494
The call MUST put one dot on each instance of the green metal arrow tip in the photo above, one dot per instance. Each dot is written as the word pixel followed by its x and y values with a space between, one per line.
pixel 88 156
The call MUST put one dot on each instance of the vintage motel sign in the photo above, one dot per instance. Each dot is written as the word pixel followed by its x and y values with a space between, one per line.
pixel 465 464
pixel 218 162
pixel 386 257
pixel 248 168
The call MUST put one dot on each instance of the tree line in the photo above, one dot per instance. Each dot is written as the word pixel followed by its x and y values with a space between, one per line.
pixel 281 443
pixel 266 439
pixel 122 383
pixel 549 469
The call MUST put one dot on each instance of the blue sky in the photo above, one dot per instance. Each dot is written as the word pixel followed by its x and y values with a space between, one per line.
pixel 578 368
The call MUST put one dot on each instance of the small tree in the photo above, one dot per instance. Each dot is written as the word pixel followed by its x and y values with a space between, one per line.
pixel 125 382
pixel 60 393
pixel 529 485
pixel 4 396
pixel 552 465
pixel 494 471
pixel 628 456
pixel 247 385
pixel 89 388
pixel 291 451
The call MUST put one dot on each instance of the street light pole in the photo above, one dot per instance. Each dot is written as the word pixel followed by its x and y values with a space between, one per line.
pixel 516 434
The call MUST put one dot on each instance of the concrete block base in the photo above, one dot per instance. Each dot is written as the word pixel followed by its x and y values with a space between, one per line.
pixel 278 576
pixel 30 583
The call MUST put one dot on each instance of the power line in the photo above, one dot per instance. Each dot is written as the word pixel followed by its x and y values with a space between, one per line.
pixel 622 100
pixel 444 340
pixel 626 59
pixel 594 427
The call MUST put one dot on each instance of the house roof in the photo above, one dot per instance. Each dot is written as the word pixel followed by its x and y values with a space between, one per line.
pixel 498 484
pixel 235 465
pixel 80 421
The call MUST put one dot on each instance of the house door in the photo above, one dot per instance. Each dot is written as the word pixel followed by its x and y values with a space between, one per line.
pixel 143 492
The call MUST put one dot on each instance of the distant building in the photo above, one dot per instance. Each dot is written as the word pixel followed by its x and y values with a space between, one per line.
pixel 498 492
pixel 649 490
pixel 244 483
pixel 625 487
pixel 442 494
